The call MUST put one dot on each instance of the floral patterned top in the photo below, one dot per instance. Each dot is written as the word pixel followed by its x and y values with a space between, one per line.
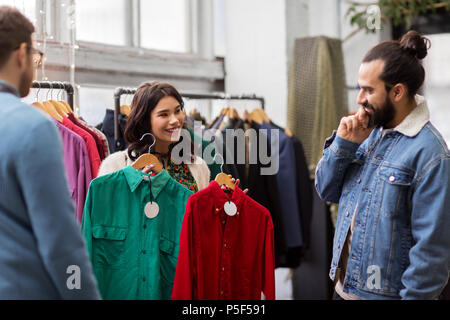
pixel 180 173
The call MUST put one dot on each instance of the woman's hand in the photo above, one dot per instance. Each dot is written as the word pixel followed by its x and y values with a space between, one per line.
pixel 236 183
pixel 148 168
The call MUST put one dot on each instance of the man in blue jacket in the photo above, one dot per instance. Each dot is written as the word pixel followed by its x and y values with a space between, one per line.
pixel 42 253
pixel 389 169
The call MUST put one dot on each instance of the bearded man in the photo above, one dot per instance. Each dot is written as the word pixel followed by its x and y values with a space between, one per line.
pixel 389 169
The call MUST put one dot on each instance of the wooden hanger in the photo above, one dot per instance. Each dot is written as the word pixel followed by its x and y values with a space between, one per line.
pixel 222 178
pixel 259 116
pixel 234 114
pixel 264 115
pixel 288 132
pixel 66 106
pixel 125 110
pixel 245 115
pixel 52 111
pixel 193 111
pixel 148 158
pixel 256 117
pixel 59 108
pixel 40 106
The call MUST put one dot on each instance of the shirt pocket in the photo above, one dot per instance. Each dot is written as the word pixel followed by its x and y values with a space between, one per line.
pixel 353 170
pixel 109 245
pixel 168 263
pixel 395 186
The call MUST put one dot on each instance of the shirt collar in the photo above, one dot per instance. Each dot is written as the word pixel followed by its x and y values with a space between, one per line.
pixel 416 119
pixel 8 87
pixel 219 197
pixel 135 177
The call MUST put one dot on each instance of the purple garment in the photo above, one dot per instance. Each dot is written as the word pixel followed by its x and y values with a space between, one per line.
pixel 78 168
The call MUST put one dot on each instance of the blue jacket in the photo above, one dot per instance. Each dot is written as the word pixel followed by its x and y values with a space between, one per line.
pixel 42 252
pixel 397 181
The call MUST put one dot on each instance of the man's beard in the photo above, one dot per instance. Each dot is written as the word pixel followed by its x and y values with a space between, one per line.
pixel 26 80
pixel 381 116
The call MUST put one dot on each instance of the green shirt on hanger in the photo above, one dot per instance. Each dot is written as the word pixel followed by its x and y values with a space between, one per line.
pixel 133 256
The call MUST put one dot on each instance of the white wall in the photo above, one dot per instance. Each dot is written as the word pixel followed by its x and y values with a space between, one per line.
pixel 323 19
pixel 256 53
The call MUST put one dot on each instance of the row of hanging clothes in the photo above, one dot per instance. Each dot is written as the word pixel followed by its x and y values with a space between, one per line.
pixel 159 240
pixel 287 193
pixel 84 146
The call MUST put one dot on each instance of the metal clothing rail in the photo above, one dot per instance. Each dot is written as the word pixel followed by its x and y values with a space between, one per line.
pixel 57 85
pixel 122 91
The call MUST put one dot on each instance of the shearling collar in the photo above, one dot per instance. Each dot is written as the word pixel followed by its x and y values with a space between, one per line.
pixel 416 119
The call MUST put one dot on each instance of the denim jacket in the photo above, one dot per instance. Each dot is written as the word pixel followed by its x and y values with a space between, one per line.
pixel 398 183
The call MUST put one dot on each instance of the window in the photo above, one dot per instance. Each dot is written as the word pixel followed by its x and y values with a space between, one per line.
pixel 102 21
pixel 27 7
pixel 165 25
pixel 219 28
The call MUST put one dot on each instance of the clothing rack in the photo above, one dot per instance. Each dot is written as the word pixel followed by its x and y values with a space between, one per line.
pixel 122 91
pixel 57 85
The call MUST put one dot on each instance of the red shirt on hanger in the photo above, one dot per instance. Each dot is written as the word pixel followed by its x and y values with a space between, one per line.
pixel 225 257
pixel 98 142
pixel 91 146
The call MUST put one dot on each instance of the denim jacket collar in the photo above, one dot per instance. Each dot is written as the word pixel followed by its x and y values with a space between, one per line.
pixel 416 120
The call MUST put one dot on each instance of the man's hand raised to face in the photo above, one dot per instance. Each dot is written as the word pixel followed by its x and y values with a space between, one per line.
pixel 355 127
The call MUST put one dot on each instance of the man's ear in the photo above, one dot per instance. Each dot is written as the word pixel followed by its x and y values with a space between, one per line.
pixel 22 55
pixel 398 92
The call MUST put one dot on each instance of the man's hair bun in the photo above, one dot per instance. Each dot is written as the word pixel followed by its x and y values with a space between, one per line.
pixel 415 44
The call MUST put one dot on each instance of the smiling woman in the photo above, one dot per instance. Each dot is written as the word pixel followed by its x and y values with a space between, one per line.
pixel 158 108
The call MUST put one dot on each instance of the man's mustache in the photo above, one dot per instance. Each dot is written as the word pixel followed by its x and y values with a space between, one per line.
pixel 371 115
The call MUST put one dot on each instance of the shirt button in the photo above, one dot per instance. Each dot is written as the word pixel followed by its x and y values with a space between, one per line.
pixel 339 246
pixel 223 221
pixel 391 178
pixel 217 209
pixel 143 279
pixel 225 245
pixel 145 226
pixel 347 214
pixel 358 180
pixel 221 293
pixel 223 269
pixel 144 252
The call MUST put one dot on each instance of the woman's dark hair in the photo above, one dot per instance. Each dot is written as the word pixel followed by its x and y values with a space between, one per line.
pixel 402 61
pixel 144 101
